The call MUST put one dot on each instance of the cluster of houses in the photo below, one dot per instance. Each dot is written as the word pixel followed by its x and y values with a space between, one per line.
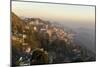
pixel 53 31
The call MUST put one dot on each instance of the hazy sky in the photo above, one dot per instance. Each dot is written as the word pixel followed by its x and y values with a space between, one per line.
pixel 54 11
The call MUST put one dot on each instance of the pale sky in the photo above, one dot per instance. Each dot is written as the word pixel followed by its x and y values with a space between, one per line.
pixel 54 11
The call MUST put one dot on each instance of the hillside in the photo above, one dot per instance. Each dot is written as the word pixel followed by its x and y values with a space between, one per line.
pixel 47 40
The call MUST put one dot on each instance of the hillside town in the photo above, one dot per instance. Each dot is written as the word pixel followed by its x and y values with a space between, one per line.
pixel 37 41
pixel 53 31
